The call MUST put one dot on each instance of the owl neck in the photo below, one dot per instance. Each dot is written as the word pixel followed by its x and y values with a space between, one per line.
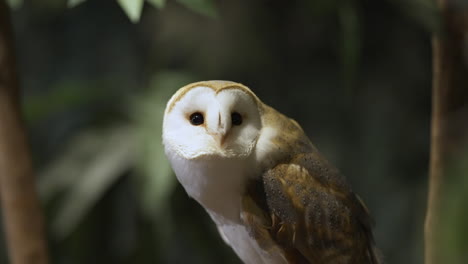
pixel 217 184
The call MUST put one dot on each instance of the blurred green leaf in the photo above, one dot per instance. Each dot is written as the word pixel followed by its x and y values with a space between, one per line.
pixel 158 181
pixel 204 7
pixel 14 4
pixel 454 214
pixel 157 3
pixel 91 164
pixel 132 8
pixel 73 3
pixel 63 96
pixel 65 171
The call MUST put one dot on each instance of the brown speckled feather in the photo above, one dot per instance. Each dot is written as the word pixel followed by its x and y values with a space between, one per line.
pixel 303 209
pixel 309 212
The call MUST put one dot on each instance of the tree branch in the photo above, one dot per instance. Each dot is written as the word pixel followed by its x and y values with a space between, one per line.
pixel 21 210
pixel 449 116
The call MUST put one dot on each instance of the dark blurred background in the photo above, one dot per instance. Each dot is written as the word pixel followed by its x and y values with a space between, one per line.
pixel 355 74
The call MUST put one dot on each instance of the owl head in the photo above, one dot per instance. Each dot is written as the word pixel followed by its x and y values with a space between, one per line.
pixel 212 119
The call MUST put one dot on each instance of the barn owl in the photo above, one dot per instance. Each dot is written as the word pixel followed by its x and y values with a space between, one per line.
pixel 272 195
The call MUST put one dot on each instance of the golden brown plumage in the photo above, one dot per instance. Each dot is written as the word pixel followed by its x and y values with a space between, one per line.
pixel 303 207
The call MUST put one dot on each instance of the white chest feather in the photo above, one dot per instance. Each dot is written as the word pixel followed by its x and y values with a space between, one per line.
pixel 218 186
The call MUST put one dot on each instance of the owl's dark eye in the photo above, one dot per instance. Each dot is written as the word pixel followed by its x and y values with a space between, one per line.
pixel 236 119
pixel 196 119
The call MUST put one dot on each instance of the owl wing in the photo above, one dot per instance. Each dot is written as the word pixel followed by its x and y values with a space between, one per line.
pixel 304 209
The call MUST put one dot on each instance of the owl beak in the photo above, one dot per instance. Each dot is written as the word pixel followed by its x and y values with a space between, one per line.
pixel 221 131
pixel 220 137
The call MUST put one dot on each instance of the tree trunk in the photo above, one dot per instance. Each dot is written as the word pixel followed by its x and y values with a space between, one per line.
pixel 22 216
pixel 449 116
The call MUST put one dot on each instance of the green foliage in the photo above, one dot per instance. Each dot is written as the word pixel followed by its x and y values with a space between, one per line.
pixel 132 8
pixel 158 182
pixel 154 174
pixel 157 3
pixel 95 159
pixel 63 96
pixel 204 7
pixel 15 3
pixel 73 3
pixel 454 215
pixel 91 164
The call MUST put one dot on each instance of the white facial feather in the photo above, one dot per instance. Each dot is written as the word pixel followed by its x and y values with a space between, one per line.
pixel 194 142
